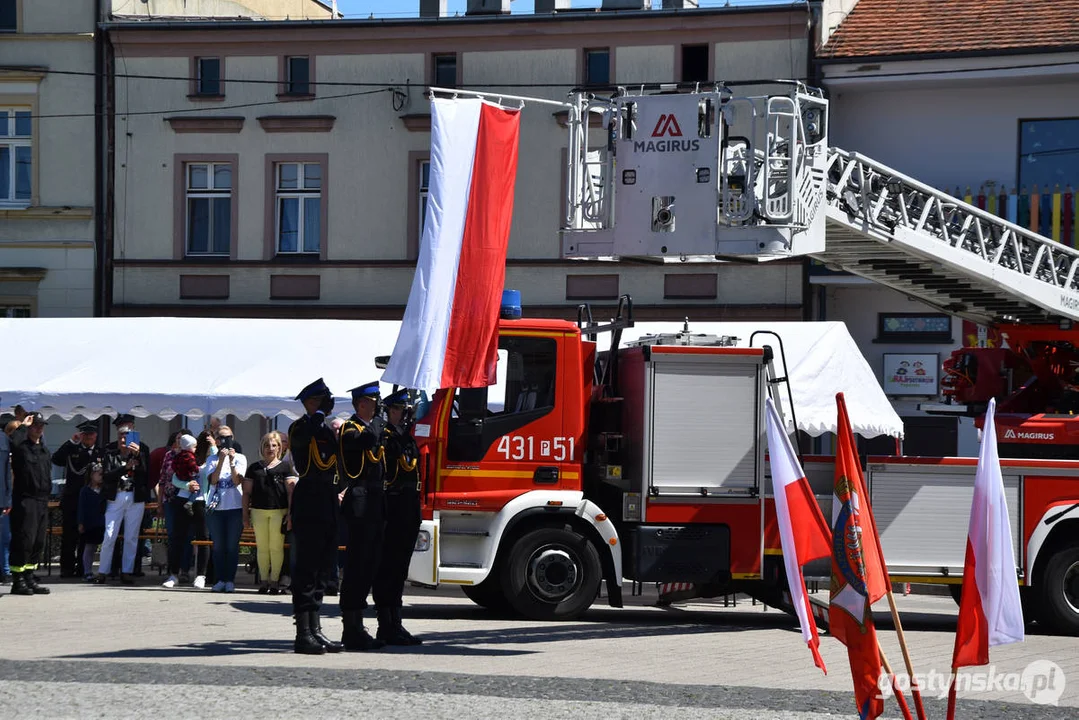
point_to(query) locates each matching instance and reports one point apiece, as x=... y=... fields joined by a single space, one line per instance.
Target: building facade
x=981 y=100
x=47 y=158
x=279 y=169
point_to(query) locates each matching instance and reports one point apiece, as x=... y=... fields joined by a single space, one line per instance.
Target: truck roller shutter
x=705 y=427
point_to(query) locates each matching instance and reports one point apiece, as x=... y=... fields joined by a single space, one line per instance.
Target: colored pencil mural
x=1047 y=211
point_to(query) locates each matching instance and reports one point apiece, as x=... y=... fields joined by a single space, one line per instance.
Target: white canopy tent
x=201 y=366
x=191 y=366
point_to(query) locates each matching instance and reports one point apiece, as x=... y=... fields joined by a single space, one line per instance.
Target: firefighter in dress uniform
x=363 y=509
x=31 y=469
x=402 y=520
x=75 y=455
x=313 y=513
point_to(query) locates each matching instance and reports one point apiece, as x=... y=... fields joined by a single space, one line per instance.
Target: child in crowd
x=91 y=517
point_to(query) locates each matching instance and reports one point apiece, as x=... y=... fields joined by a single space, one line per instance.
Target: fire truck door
x=505 y=439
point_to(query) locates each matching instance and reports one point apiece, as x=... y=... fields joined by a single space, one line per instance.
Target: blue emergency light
x=511 y=305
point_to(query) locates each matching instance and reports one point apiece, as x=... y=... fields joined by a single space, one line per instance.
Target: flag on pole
x=858 y=574
x=803 y=533
x=990 y=612
x=449 y=334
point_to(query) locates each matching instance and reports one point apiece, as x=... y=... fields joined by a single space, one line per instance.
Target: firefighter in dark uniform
x=313 y=510
x=363 y=508
x=31 y=469
x=75 y=455
x=402 y=519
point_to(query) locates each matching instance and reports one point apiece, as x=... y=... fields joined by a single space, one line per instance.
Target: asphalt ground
x=113 y=651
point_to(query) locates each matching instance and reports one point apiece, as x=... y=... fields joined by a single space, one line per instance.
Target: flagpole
x=895 y=686
x=915 y=691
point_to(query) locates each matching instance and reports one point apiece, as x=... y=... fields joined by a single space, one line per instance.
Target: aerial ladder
x=675 y=175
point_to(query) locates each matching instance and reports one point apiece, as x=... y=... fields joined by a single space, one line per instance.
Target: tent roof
x=203 y=366
x=191 y=366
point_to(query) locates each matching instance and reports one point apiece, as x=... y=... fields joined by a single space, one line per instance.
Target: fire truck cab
x=644 y=463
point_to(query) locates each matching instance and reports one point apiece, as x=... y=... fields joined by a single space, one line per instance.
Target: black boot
x=19 y=586
x=355 y=637
x=316 y=631
x=36 y=587
x=390 y=630
x=306 y=643
x=402 y=634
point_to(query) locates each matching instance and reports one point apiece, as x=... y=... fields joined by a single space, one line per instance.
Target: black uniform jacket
x=402 y=456
x=75 y=459
x=361 y=453
x=314 y=448
x=31 y=470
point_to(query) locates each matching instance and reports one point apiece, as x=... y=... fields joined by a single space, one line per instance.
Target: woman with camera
x=265 y=497
x=223 y=472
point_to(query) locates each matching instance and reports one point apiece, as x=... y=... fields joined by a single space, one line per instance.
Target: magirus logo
x=1012 y=434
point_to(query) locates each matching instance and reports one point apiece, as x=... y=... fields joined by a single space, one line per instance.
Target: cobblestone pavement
x=87 y=651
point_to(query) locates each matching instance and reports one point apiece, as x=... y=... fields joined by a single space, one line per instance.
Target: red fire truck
x=590 y=464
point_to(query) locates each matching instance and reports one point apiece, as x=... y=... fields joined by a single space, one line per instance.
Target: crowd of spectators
x=203 y=488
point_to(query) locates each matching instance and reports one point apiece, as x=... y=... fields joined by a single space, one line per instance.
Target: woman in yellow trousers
x=265 y=509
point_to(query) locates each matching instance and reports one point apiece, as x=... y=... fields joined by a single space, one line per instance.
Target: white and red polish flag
x=803 y=533
x=990 y=611
x=449 y=334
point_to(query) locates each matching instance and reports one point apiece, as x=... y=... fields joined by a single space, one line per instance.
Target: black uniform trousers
x=314 y=531
x=70 y=543
x=29 y=521
x=402 y=527
x=364 y=510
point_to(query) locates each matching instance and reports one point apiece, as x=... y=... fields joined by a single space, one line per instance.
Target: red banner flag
x=858 y=576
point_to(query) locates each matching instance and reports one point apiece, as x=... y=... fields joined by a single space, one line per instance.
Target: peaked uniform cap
x=88 y=427
x=124 y=419
x=401 y=397
x=370 y=390
x=315 y=389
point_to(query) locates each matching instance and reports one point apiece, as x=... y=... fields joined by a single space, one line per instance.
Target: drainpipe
x=110 y=174
x=99 y=159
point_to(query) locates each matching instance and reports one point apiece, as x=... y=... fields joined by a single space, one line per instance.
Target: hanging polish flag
x=803 y=533
x=990 y=611
x=449 y=334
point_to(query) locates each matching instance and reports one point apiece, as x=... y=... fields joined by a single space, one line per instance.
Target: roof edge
x=898 y=57
x=232 y=25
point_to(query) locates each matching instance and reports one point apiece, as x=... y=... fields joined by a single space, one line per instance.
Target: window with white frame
x=299 y=207
x=15 y=156
x=15 y=311
x=425 y=185
x=209 y=208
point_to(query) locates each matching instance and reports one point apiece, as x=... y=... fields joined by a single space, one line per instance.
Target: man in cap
x=126 y=490
x=32 y=470
x=75 y=456
x=313 y=511
x=402 y=520
x=363 y=507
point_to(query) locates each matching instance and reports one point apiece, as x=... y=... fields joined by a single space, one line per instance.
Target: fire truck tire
x=488 y=595
x=552 y=574
x=1060 y=592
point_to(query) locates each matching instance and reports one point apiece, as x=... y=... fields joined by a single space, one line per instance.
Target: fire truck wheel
x=552 y=574
x=1060 y=592
x=488 y=594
